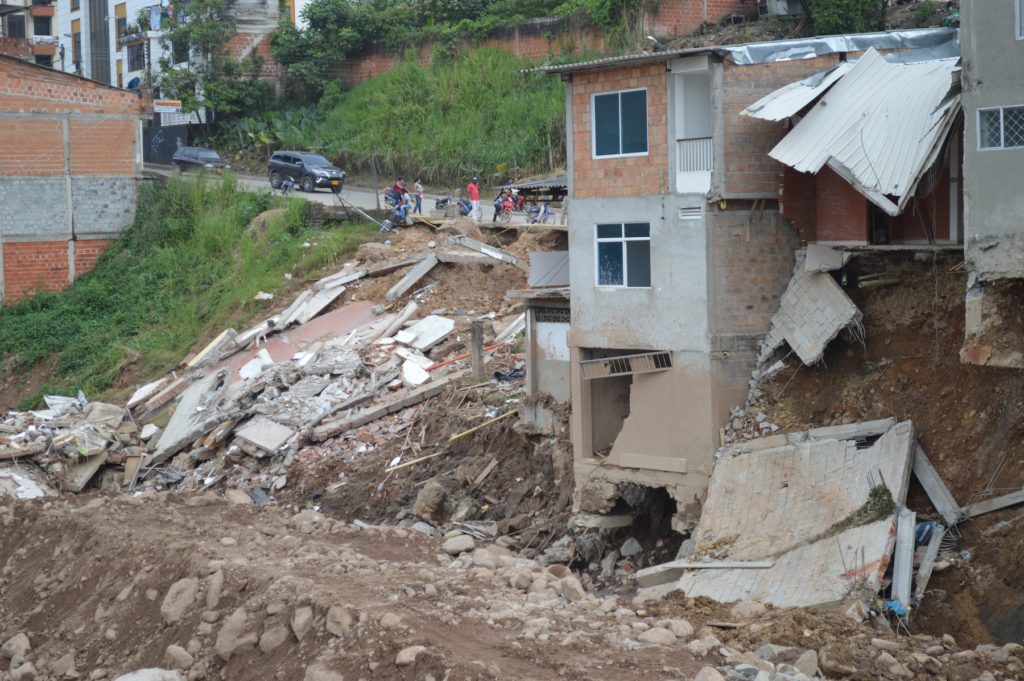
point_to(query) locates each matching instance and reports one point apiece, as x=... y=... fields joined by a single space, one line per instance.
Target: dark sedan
x=199 y=157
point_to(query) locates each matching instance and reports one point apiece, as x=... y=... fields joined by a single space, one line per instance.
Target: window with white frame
x=1001 y=128
x=620 y=123
x=624 y=255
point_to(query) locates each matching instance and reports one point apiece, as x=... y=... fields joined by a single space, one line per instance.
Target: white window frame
x=1002 y=129
x=593 y=124
x=623 y=240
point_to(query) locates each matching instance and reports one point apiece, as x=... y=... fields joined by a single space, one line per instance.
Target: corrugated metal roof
x=559 y=182
x=880 y=127
x=789 y=100
x=944 y=40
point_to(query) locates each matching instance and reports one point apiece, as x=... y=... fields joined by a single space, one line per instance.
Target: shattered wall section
x=994 y=325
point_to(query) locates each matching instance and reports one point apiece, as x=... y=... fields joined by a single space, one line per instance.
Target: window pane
x=988 y=129
x=609 y=231
x=634 y=122
x=606 y=125
x=638 y=230
x=639 y=259
x=1013 y=127
x=609 y=264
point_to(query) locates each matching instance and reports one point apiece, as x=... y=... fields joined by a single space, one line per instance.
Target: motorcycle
x=465 y=207
x=540 y=214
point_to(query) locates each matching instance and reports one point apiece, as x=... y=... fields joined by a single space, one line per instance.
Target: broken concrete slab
x=24 y=482
x=317 y=302
x=339 y=279
x=903 y=560
x=263 y=433
x=813 y=311
x=78 y=475
x=815 y=507
x=673 y=570
x=516 y=326
x=490 y=251
x=411 y=277
x=824 y=258
x=924 y=571
x=264 y=328
x=397 y=321
x=995 y=504
x=940 y=496
x=190 y=417
x=145 y=392
x=427 y=332
x=605 y=522
x=175 y=388
x=290 y=314
x=215 y=349
x=414 y=375
x=463 y=257
x=255 y=366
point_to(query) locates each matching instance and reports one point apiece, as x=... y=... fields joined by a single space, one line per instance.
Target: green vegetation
x=829 y=17
x=443 y=122
x=189 y=266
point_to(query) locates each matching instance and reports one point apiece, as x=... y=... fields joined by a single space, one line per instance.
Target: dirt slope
x=969 y=419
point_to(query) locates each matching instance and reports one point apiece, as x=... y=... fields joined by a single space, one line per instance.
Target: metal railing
x=694 y=154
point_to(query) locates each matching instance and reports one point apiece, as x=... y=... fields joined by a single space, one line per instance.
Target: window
x=179 y=50
x=620 y=123
x=41 y=25
x=624 y=255
x=136 y=56
x=120 y=21
x=1001 y=128
x=75 y=4
x=76 y=43
x=16 y=26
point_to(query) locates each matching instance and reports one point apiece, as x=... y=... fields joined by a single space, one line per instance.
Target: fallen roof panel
x=790 y=100
x=880 y=127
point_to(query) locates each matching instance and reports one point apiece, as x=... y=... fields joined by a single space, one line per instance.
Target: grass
x=444 y=122
x=188 y=267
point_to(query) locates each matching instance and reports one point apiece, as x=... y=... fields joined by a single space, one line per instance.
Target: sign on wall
x=167 y=106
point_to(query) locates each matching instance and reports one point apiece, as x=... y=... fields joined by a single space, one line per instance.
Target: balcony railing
x=694 y=155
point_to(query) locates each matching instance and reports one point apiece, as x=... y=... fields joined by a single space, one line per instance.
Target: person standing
x=473 y=190
x=417 y=190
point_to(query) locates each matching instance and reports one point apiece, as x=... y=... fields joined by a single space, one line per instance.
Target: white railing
x=694 y=155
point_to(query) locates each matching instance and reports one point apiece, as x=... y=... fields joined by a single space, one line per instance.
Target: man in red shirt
x=473 y=190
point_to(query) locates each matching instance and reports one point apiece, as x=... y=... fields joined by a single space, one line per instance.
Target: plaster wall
x=993 y=61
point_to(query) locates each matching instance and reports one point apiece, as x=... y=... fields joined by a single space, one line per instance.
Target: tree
x=830 y=17
x=334 y=29
x=209 y=76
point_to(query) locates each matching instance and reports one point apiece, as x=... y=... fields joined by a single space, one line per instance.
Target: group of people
x=406 y=202
x=508 y=199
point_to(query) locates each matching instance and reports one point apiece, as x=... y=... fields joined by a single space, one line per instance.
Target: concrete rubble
x=306 y=374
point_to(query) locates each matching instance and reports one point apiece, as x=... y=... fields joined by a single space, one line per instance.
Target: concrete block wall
x=68 y=174
x=673 y=18
x=616 y=176
x=748 y=170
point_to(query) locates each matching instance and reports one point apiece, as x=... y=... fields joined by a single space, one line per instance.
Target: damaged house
x=679 y=252
x=993 y=97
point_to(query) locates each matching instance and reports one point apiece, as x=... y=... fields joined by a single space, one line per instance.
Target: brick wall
x=629 y=176
x=34 y=265
x=673 y=18
x=41 y=242
x=748 y=170
x=841 y=211
x=242 y=46
x=20 y=48
x=751 y=263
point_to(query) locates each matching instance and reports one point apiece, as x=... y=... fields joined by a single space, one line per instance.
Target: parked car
x=187 y=158
x=306 y=169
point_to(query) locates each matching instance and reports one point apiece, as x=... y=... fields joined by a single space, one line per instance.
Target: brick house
x=69 y=170
x=678 y=253
x=28 y=30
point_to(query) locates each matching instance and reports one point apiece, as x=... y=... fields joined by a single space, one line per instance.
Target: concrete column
x=69 y=220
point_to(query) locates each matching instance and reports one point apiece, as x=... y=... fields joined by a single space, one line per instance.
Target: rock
x=273 y=636
x=993 y=653
x=237 y=497
x=571 y=589
x=934 y=650
x=459 y=544
x=948 y=641
x=702 y=646
x=658 y=636
x=317 y=672
x=521 y=579
x=16 y=646
x=747 y=610
x=64 y=666
x=152 y=674
x=178 y=598
x=177 y=657
x=234 y=635
x=339 y=621
x=709 y=674
x=390 y=620
x=302 y=621
x=430 y=502
x=883 y=644
x=484 y=558
x=407 y=656
x=886 y=663
x=26 y=672
x=630 y=547
x=681 y=628
x=857 y=611
x=214 y=585
x=807 y=663
x=424 y=528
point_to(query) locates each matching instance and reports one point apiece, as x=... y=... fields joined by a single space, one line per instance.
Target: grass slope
x=188 y=267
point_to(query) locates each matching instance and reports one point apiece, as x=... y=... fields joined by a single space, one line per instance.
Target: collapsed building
x=679 y=249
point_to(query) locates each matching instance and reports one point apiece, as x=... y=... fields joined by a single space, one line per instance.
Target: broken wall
x=993 y=59
x=547 y=372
